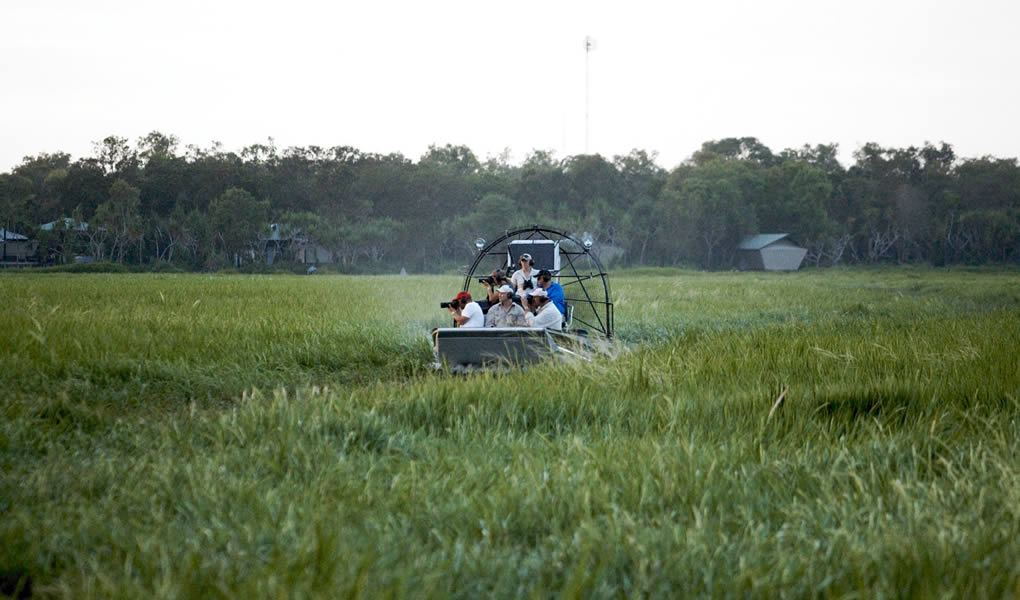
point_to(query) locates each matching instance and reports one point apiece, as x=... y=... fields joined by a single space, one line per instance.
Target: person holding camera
x=506 y=313
x=523 y=279
x=492 y=284
x=465 y=311
x=543 y=313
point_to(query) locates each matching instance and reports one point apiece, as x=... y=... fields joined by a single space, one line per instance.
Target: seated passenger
x=505 y=313
x=465 y=311
x=554 y=290
x=523 y=279
x=543 y=313
x=492 y=284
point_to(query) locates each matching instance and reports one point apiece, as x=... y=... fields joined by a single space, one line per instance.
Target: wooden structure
x=293 y=246
x=16 y=249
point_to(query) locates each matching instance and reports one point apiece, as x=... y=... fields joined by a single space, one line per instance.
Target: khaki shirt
x=500 y=317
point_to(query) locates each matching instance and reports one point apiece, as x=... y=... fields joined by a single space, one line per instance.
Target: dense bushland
x=207 y=209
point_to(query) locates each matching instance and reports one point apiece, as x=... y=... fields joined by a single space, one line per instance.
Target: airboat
x=587 y=324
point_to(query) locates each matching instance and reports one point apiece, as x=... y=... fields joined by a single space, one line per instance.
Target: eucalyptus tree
x=542 y=187
x=119 y=216
x=743 y=149
x=239 y=221
x=16 y=198
x=795 y=202
x=988 y=225
x=641 y=183
x=708 y=209
x=85 y=187
x=116 y=157
x=594 y=198
x=46 y=173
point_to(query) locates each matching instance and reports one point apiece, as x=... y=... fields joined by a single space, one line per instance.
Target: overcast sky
x=387 y=76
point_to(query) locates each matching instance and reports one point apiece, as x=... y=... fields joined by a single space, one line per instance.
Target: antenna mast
x=589 y=45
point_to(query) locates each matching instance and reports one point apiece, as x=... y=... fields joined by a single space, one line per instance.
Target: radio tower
x=589 y=45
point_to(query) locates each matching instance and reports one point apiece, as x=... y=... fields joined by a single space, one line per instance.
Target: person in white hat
x=523 y=280
x=543 y=313
x=505 y=313
x=492 y=284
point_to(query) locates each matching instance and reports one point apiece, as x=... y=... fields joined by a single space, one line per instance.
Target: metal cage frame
x=570 y=278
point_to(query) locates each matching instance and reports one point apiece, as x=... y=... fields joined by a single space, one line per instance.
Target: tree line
x=206 y=208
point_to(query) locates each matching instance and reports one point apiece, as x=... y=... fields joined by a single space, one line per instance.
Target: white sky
x=392 y=76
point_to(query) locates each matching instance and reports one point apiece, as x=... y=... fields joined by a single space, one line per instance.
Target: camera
x=489 y=280
x=451 y=304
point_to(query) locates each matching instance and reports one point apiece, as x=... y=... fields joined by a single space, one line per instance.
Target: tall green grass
x=818 y=434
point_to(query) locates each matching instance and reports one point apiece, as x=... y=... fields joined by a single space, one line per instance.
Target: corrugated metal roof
x=65 y=224
x=757 y=242
x=10 y=235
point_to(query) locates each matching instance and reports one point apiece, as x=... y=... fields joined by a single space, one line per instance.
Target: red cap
x=462 y=296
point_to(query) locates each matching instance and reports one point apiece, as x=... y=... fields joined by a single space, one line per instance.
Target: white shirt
x=474 y=314
x=548 y=317
x=518 y=279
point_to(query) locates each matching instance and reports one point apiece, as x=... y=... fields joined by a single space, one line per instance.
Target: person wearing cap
x=553 y=289
x=466 y=312
x=523 y=279
x=506 y=313
x=543 y=313
x=491 y=290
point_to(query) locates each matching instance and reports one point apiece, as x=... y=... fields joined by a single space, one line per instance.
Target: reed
x=819 y=434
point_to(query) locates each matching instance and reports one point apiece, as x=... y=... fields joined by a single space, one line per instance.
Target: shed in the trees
x=16 y=248
x=65 y=224
x=65 y=238
x=291 y=244
x=770 y=252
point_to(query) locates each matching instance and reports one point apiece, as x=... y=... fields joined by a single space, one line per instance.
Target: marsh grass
x=819 y=434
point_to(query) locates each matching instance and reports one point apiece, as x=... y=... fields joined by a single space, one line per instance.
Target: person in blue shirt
x=553 y=289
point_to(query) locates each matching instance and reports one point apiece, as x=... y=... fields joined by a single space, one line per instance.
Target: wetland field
x=821 y=434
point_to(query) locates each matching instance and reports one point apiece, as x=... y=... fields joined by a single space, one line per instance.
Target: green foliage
x=117 y=222
x=714 y=209
x=207 y=208
x=457 y=160
x=16 y=202
x=87 y=267
x=817 y=434
x=796 y=203
x=491 y=215
x=239 y=220
x=158 y=266
x=744 y=149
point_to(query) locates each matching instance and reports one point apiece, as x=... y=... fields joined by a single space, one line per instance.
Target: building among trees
x=287 y=243
x=770 y=252
x=16 y=248
x=64 y=240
